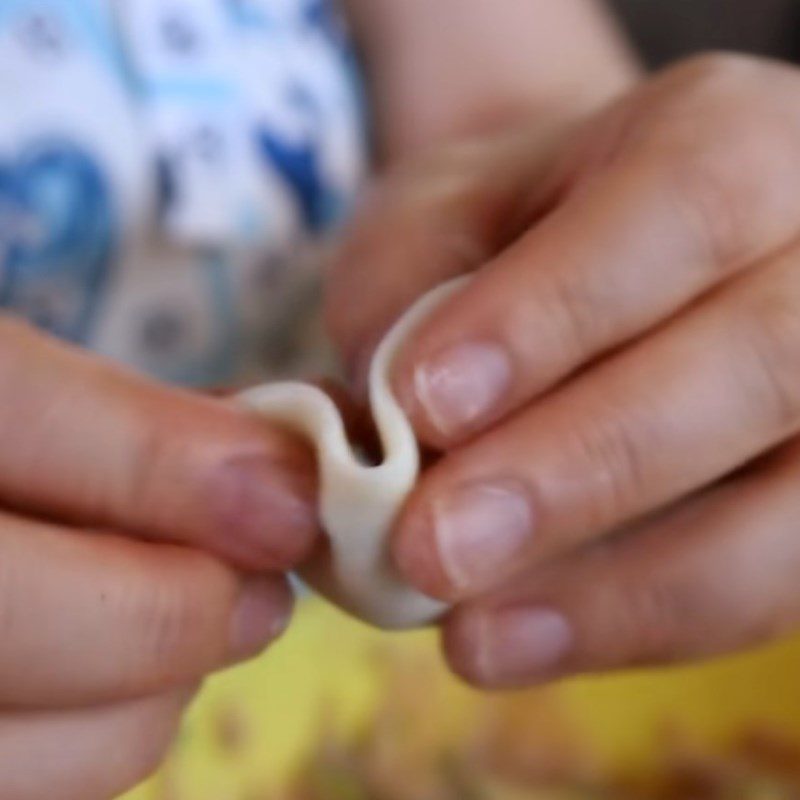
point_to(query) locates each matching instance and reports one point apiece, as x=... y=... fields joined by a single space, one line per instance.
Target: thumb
x=429 y=220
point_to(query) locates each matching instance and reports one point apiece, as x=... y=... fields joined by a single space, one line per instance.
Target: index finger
x=672 y=209
x=91 y=444
x=439 y=217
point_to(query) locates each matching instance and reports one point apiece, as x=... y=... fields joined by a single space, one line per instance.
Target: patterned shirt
x=163 y=165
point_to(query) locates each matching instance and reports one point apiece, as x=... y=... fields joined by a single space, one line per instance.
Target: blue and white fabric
x=161 y=164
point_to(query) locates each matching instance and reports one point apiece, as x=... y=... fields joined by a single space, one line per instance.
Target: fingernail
x=521 y=644
x=481 y=531
x=462 y=385
x=266 y=511
x=260 y=616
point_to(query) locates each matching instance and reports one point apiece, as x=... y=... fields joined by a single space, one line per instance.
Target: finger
x=91 y=754
x=715 y=575
x=88 y=443
x=685 y=406
x=443 y=216
x=665 y=211
x=89 y=619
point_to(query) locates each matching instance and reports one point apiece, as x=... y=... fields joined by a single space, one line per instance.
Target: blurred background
x=671 y=29
x=340 y=712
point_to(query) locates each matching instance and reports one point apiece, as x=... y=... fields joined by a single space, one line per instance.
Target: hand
x=107 y=629
x=432 y=81
x=617 y=392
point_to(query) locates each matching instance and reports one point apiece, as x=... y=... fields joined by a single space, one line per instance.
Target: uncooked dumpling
x=359 y=502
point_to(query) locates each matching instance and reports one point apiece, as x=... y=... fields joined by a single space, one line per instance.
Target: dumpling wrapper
x=359 y=502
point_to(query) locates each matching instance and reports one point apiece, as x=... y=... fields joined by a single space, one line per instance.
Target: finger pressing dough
x=358 y=501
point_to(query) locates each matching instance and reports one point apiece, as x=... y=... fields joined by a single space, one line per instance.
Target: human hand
x=432 y=80
x=109 y=621
x=617 y=392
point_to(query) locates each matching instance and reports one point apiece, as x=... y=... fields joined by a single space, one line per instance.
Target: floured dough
x=358 y=502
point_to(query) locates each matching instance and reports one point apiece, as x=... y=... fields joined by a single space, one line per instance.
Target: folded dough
x=359 y=502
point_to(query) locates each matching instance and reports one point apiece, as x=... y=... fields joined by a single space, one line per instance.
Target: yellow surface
x=327 y=672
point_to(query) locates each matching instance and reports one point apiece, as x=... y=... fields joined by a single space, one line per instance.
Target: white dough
x=358 y=502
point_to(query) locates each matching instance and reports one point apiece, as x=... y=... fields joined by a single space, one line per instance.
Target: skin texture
x=114 y=495
x=615 y=395
x=434 y=81
x=146 y=508
x=359 y=500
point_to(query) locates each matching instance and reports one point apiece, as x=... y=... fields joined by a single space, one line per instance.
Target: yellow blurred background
x=337 y=710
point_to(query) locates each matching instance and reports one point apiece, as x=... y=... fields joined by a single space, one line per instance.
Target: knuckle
x=179 y=631
x=725 y=153
x=167 y=481
x=701 y=92
x=658 y=615
x=727 y=189
x=707 y=195
x=716 y=71
x=144 y=486
x=168 y=620
x=771 y=338
x=613 y=453
x=688 y=99
x=579 y=312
